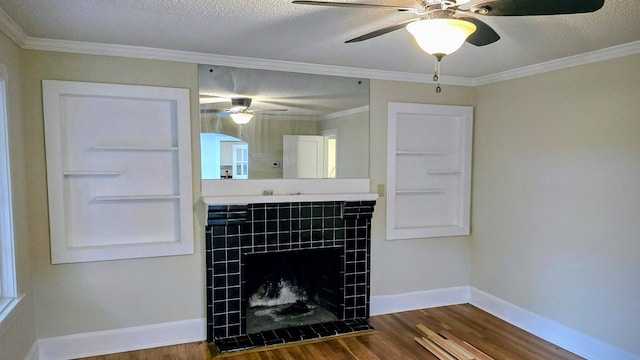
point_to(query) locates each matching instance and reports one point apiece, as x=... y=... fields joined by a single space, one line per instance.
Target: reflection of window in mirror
x=220 y=154
x=240 y=160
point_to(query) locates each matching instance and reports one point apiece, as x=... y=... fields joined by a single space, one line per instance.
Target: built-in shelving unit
x=126 y=191
x=428 y=170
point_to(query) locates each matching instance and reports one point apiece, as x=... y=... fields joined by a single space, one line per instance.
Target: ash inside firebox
x=283 y=304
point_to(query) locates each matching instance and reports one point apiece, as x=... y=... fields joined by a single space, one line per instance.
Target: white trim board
x=34 y=352
x=610 y=53
x=388 y=304
x=121 y=340
x=556 y=333
x=279 y=65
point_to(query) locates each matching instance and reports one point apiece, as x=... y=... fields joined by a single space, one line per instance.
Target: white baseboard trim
x=558 y=334
x=179 y=332
x=34 y=353
x=386 y=304
x=120 y=340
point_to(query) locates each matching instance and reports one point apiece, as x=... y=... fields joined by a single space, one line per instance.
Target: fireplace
x=284 y=272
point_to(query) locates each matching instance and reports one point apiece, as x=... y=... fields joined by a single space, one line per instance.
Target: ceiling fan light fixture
x=440 y=37
x=241 y=118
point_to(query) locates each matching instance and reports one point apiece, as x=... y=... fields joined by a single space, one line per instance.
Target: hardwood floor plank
x=358 y=349
x=402 y=341
x=392 y=339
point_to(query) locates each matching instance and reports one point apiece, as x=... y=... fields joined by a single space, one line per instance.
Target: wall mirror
x=264 y=124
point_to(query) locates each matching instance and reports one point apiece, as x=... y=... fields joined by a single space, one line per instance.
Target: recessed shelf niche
x=428 y=170
x=118 y=171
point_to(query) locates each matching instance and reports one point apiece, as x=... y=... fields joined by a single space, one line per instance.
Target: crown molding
x=11 y=29
x=613 y=52
x=15 y=33
x=347 y=112
x=224 y=60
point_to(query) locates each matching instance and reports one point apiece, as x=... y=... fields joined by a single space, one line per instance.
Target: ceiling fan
x=239 y=110
x=442 y=26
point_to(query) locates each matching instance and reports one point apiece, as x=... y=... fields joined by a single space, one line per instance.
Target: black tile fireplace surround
x=234 y=232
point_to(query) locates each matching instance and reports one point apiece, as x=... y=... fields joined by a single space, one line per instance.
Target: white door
x=303 y=157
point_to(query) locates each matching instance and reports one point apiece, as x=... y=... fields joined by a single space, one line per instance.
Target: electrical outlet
x=381 y=190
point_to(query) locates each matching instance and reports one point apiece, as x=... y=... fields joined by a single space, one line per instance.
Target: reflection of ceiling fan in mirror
x=442 y=26
x=239 y=111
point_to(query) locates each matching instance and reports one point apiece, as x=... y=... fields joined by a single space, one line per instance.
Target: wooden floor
x=393 y=339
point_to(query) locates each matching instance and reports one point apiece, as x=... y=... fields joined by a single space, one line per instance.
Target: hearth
x=286 y=272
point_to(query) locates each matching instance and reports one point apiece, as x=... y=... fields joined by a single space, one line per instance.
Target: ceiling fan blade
x=535 y=7
x=382 y=31
x=484 y=34
x=208 y=99
x=354 y=5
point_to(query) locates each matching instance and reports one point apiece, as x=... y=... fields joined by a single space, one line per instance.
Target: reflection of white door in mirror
x=218 y=156
x=303 y=157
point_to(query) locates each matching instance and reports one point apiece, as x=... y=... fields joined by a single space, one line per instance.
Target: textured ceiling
x=279 y=30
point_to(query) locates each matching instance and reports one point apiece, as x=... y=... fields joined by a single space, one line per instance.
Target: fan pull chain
x=436 y=76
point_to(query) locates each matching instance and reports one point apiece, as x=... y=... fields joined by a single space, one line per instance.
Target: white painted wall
x=556 y=197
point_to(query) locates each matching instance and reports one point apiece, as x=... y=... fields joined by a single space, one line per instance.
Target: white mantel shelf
x=235 y=192
x=288 y=198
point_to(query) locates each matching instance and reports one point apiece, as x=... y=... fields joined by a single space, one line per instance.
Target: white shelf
x=443 y=172
x=420 y=191
x=133 y=148
x=135 y=197
x=420 y=153
x=284 y=198
x=93 y=173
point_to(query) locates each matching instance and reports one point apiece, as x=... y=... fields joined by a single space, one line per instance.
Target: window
x=8 y=290
x=241 y=161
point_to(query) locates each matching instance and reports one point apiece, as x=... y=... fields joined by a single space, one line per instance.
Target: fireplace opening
x=292 y=288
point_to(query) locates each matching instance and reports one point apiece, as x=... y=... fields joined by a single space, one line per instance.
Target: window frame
x=8 y=283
